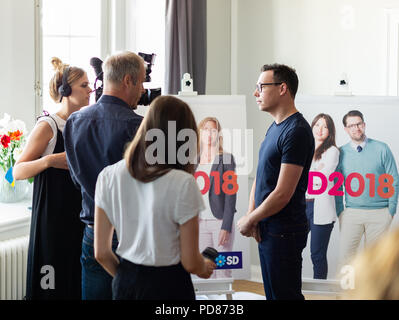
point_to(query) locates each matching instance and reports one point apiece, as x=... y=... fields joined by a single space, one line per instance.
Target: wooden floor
x=248 y=286
x=256 y=287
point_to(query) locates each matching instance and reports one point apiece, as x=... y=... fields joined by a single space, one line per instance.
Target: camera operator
x=149 y=94
x=95 y=138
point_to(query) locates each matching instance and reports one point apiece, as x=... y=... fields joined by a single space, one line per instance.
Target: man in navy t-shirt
x=276 y=215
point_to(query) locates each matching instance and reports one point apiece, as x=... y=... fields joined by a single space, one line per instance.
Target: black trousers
x=139 y=282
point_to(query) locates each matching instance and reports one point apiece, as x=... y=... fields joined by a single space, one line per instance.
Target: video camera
x=147 y=97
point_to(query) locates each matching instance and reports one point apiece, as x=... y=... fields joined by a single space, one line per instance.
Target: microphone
x=96 y=63
x=210 y=253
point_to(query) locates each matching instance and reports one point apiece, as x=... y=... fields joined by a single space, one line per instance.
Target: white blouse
x=147 y=216
x=207 y=213
x=53 y=141
x=324 y=204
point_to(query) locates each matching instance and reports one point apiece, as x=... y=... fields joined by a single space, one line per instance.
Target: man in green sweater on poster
x=371 y=187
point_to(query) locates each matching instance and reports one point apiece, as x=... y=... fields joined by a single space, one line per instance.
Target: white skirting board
x=309 y=286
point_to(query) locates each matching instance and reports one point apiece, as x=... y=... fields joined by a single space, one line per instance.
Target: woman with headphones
x=53 y=270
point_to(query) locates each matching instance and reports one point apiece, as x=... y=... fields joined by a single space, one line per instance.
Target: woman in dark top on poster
x=54 y=270
x=217 y=219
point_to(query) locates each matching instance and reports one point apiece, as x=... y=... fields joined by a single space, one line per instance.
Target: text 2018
x=229 y=178
x=384 y=181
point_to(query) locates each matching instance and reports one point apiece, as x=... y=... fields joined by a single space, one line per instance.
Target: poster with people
x=353 y=182
x=225 y=154
x=224 y=162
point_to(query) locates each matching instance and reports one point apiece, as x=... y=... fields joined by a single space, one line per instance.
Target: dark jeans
x=139 y=282
x=320 y=237
x=280 y=252
x=96 y=282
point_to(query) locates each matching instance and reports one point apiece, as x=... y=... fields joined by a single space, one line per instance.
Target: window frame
x=118 y=33
x=105 y=35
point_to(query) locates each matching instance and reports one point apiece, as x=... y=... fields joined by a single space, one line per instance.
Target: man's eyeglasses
x=356 y=125
x=259 y=86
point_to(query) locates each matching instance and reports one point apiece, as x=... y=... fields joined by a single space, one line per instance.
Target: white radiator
x=13 y=262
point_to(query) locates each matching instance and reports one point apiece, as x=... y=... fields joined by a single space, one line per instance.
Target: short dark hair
x=283 y=73
x=352 y=113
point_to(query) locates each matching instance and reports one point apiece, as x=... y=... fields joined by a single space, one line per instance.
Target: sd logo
x=229 y=260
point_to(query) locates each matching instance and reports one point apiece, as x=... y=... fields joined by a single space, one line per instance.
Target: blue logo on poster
x=220 y=261
x=229 y=260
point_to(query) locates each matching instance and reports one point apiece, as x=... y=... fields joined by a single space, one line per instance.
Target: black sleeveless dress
x=54 y=270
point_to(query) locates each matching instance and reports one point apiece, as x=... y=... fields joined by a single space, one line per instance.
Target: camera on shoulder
x=146 y=98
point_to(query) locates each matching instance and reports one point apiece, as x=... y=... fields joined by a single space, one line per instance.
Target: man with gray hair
x=95 y=138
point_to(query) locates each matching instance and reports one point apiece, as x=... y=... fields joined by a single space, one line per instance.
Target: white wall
x=321 y=39
x=218 y=47
x=324 y=38
x=17 y=68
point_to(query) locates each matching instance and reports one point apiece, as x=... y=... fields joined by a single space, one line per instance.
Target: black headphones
x=65 y=89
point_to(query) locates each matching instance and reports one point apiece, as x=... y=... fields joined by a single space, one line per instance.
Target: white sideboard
x=15 y=219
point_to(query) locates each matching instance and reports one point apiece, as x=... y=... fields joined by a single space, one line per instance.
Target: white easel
x=214 y=286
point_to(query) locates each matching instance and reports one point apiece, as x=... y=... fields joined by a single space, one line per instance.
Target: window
x=77 y=30
x=146 y=33
x=71 y=31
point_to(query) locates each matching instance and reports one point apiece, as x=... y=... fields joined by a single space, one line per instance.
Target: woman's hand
x=208 y=269
x=58 y=160
x=224 y=237
x=191 y=258
x=30 y=163
x=103 y=233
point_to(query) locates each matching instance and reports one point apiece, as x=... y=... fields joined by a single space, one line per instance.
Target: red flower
x=5 y=140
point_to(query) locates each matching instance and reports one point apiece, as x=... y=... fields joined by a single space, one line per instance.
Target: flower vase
x=8 y=193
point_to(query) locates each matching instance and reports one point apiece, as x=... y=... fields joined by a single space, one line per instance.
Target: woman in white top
x=320 y=208
x=152 y=201
x=56 y=230
x=216 y=221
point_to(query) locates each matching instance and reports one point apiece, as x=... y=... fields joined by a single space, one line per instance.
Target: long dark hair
x=330 y=140
x=162 y=110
